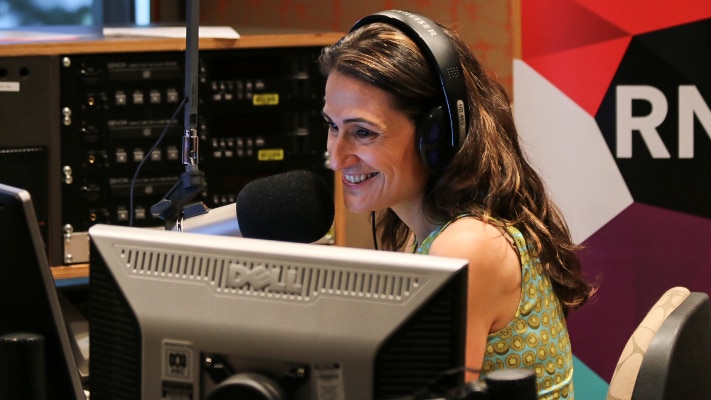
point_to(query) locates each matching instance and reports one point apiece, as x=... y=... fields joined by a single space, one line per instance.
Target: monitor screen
x=29 y=302
x=58 y=16
x=193 y=316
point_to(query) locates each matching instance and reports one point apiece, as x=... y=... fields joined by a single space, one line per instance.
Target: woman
x=485 y=203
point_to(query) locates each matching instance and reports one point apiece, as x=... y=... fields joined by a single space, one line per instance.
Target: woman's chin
x=356 y=207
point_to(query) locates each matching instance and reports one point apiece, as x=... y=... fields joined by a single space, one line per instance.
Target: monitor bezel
x=143 y=272
x=29 y=296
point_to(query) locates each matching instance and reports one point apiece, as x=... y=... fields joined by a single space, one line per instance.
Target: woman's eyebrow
x=351 y=120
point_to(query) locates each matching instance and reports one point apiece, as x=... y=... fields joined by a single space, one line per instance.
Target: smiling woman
x=370 y=142
x=425 y=140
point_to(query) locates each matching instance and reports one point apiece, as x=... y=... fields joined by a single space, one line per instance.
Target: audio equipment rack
x=78 y=116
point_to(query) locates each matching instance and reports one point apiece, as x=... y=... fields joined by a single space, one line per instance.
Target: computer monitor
x=29 y=301
x=77 y=17
x=211 y=317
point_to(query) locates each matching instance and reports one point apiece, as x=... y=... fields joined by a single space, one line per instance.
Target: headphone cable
x=372 y=226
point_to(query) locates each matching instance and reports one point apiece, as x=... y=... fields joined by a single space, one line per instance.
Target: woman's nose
x=340 y=153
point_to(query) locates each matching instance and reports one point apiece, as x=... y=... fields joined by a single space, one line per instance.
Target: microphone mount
x=192 y=181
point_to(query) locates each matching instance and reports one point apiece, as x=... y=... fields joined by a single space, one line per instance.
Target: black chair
x=668 y=357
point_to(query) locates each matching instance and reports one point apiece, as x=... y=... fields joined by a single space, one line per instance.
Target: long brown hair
x=489 y=176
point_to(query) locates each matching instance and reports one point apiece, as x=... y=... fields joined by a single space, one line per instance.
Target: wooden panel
x=116 y=45
x=487 y=26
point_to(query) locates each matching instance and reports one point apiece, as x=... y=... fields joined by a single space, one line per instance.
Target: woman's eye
x=363 y=133
x=330 y=126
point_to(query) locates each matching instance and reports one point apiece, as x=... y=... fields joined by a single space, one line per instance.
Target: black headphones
x=444 y=127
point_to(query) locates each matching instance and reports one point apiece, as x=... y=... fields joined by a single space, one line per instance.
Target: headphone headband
x=439 y=51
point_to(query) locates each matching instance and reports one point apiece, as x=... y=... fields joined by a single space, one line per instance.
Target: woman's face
x=373 y=145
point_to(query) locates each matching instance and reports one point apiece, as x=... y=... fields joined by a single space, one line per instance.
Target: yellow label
x=270 y=155
x=265 y=99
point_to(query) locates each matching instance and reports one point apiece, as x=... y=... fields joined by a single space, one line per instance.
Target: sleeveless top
x=537 y=336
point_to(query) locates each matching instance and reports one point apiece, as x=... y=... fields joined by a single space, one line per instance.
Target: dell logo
x=262 y=278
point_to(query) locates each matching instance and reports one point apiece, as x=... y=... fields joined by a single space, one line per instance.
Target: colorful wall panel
x=612 y=101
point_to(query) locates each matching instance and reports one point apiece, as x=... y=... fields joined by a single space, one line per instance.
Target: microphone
x=295 y=206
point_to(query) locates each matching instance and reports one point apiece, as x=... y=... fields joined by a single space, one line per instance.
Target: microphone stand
x=192 y=181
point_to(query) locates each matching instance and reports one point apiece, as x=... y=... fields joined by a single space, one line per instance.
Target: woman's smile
x=357 y=178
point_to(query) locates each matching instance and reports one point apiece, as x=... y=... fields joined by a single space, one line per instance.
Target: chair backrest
x=677 y=364
x=669 y=354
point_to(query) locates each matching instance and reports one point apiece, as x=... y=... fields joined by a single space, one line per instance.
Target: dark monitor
x=193 y=316
x=29 y=301
x=79 y=17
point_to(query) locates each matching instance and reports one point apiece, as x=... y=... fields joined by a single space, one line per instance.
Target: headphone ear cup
x=434 y=138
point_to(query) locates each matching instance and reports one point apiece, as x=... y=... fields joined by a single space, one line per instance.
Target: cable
x=372 y=225
x=445 y=386
x=147 y=156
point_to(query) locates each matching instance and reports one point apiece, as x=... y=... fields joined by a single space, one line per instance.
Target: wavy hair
x=489 y=176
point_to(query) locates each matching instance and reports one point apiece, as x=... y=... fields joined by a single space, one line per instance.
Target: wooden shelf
x=70 y=271
x=119 y=45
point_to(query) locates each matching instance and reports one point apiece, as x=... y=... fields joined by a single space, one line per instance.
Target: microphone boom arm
x=190 y=120
x=192 y=181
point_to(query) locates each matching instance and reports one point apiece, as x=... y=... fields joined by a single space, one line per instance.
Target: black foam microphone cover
x=295 y=206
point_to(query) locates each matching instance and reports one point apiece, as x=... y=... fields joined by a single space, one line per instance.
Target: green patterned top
x=537 y=337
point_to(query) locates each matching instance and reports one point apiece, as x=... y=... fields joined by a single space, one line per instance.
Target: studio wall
x=486 y=25
x=612 y=101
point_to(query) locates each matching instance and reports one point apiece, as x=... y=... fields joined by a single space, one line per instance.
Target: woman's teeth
x=358 y=178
